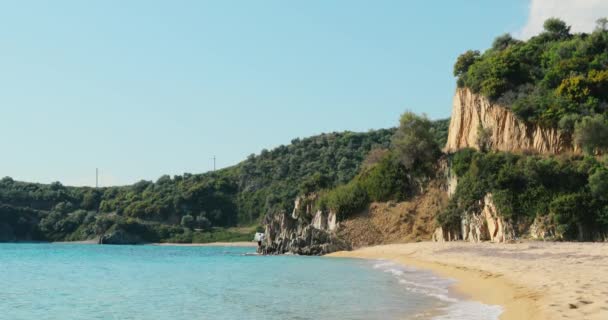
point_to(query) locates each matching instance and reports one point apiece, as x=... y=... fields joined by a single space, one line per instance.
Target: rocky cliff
x=305 y=231
x=506 y=132
x=472 y=116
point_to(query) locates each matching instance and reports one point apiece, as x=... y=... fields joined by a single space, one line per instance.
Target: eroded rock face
x=499 y=230
x=474 y=228
x=543 y=228
x=484 y=225
x=445 y=234
x=304 y=231
x=508 y=133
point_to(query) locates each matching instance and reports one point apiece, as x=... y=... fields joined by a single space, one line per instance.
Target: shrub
x=387 y=180
x=345 y=200
x=571 y=189
x=188 y=221
x=591 y=133
x=598 y=183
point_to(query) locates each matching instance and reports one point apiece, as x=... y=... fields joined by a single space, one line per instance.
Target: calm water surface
x=69 y=281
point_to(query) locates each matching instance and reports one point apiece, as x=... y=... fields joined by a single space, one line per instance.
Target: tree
x=188 y=221
x=567 y=122
x=598 y=183
x=464 y=61
x=591 y=133
x=601 y=24
x=568 y=214
x=90 y=200
x=556 y=27
x=374 y=156
x=415 y=146
x=202 y=222
x=314 y=183
x=502 y=42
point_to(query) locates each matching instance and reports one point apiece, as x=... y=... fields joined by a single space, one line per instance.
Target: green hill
x=189 y=207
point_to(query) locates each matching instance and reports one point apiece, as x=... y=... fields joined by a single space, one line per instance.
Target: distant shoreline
x=172 y=244
x=210 y=244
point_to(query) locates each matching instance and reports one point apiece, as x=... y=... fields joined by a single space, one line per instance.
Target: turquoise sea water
x=69 y=281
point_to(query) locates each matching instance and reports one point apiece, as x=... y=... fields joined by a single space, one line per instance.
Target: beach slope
x=531 y=280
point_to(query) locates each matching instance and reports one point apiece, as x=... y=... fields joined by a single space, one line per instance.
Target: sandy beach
x=531 y=280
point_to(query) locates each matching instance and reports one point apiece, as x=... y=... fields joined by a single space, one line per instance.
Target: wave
x=428 y=284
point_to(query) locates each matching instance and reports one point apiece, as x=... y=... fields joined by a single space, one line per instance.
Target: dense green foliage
x=571 y=191
x=414 y=143
x=190 y=207
x=551 y=76
x=271 y=181
x=391 y=174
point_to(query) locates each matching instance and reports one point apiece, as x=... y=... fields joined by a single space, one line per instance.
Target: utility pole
x=213 y=163
x=96 y=178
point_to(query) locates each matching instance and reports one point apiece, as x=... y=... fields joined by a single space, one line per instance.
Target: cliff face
x=507 y=132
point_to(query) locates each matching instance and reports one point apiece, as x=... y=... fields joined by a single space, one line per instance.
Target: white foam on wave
x=426 y=283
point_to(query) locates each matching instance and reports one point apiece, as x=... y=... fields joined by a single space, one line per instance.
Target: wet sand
x=531 y=280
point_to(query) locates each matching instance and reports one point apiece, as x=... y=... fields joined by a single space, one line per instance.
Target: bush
x=572 y=190
x=345 y=200
x=387 y=180
x=591 y=133
x=567 y=211
x=598 y=183
x=188 y=221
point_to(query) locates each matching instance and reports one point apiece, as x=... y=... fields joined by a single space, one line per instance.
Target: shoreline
x=171 y=244
x=209 y=244
x=531 y=280
x=476 y=285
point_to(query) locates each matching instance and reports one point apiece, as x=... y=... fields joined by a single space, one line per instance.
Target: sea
x=80 y=281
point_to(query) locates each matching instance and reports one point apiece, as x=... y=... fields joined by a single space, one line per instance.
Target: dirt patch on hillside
x=396 y=222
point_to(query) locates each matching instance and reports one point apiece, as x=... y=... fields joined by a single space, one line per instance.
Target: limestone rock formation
x=499 y=230
x=507 y=132
x=304 y=231
x=543 y=229
x=485 y=225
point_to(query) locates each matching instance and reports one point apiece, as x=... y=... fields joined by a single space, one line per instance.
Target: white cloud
x=580 y=14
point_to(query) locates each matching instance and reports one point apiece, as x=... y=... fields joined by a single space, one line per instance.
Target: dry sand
x=531 y=280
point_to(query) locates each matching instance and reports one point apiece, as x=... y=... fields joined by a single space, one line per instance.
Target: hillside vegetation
x=554 y=79
x=189 y=207
x=568 y=194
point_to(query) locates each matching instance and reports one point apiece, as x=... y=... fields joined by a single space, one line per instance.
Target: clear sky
x=143 y=88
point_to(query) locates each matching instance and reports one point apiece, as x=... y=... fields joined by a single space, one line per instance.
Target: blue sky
x=145 y=88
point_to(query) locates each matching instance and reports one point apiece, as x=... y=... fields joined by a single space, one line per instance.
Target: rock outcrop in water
x=305 y=231
x=507 y=132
